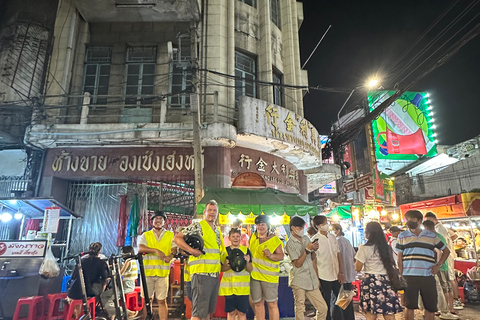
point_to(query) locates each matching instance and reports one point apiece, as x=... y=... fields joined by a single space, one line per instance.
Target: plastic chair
x=54 y=303
x=35 y=308
x=68 y=312
x=134 y=300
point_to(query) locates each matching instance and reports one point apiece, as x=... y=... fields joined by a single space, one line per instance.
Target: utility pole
x=195 y=112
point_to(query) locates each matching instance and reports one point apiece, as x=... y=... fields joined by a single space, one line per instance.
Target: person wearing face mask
x=348 y=257
x=329 y=265
x=416 y=262
x=303 y=278
x=159 y=248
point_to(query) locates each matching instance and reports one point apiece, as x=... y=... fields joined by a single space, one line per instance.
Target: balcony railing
x=81 y=109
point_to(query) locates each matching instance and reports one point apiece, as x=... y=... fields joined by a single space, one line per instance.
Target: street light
x=371 y=83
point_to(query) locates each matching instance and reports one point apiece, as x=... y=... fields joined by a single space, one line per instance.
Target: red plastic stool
x=68 y=313
x=35 y=308
x=357 y=284
x=54 y=302
x=134 y=301
x=461 y=293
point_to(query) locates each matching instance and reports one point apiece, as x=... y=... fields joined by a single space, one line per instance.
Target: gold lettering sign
x=146 y=162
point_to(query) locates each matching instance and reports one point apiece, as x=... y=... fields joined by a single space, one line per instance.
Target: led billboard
x=404 y=132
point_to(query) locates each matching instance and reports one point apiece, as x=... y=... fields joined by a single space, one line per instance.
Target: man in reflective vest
x=267 y=252
x=204 y=267
x=159 y=248
x=235 y=286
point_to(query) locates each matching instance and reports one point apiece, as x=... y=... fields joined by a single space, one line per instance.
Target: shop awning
x=35 y=207
x=444 y=208
x=246 y=201
x=343 y=212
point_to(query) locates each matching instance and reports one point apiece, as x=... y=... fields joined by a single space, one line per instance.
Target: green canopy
x=245 y=201
x=343 y=212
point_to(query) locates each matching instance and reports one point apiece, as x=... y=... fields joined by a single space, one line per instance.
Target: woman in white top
x=376 y=259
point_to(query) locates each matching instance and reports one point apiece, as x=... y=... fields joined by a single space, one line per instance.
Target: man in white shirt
x=394 y=231
x=440 y=228
x=329 y=264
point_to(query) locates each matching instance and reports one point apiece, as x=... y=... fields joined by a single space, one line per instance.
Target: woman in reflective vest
x=235 y=286
x=267 y=252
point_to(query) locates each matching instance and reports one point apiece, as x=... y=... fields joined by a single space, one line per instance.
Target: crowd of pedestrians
x=324 y=264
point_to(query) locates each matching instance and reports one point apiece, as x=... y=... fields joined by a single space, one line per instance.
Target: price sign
x=51 y=219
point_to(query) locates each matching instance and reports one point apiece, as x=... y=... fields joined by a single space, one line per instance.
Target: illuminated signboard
x=329 y=188
x=404 y=132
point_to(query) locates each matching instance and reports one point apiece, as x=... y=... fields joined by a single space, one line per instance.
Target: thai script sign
x=119 y=161
x=16 y=249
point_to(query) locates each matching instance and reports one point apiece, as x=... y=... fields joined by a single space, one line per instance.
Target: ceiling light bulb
x=5 y=217
x=18 y=215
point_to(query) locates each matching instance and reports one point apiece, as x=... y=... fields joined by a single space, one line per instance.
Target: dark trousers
x=329 y=287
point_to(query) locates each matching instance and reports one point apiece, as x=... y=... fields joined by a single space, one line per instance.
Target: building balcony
x=130 y=121
x=139 y=11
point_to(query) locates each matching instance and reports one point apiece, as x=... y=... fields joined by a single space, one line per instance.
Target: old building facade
x=118 y=105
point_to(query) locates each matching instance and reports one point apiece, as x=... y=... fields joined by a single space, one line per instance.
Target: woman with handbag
x=378 y=296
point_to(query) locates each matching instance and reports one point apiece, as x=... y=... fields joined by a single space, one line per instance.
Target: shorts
x=263 y=290
x=128 y=286
x=158 y=286
x=235 y=302
x=204 y=295
x=427 y=288
x=445 y=281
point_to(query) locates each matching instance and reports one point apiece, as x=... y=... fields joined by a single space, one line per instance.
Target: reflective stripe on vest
x=237 y=283
x=154 y=266
x=186 y=272
x=210 y=261
x=264 y=269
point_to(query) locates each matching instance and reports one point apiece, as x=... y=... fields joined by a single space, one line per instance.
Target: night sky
x=367 y=37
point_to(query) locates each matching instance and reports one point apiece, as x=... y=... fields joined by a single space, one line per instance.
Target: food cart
x=246 y=204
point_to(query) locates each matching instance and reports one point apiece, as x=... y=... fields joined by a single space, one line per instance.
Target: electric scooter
x=86 y=310
x=146 y=296
x=117 y=288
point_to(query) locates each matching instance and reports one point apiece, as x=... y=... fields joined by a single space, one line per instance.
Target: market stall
x=461 y=214
x=246 y=204
x=35 y=222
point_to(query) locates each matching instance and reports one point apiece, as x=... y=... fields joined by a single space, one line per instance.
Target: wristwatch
x=307 y=251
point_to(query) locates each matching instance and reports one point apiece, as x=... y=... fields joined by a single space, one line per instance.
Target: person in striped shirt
x=416 y=263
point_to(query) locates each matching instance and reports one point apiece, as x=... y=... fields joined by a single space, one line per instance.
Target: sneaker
x=448 y=316
x=457 y=305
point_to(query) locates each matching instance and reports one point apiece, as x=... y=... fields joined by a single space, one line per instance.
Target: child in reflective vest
x=235 y=286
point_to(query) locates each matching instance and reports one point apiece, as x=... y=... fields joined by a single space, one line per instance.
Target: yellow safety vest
x=237 y=283
x=154 y=266
x=210 y=261
x=264 y=269
x=186 y=272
